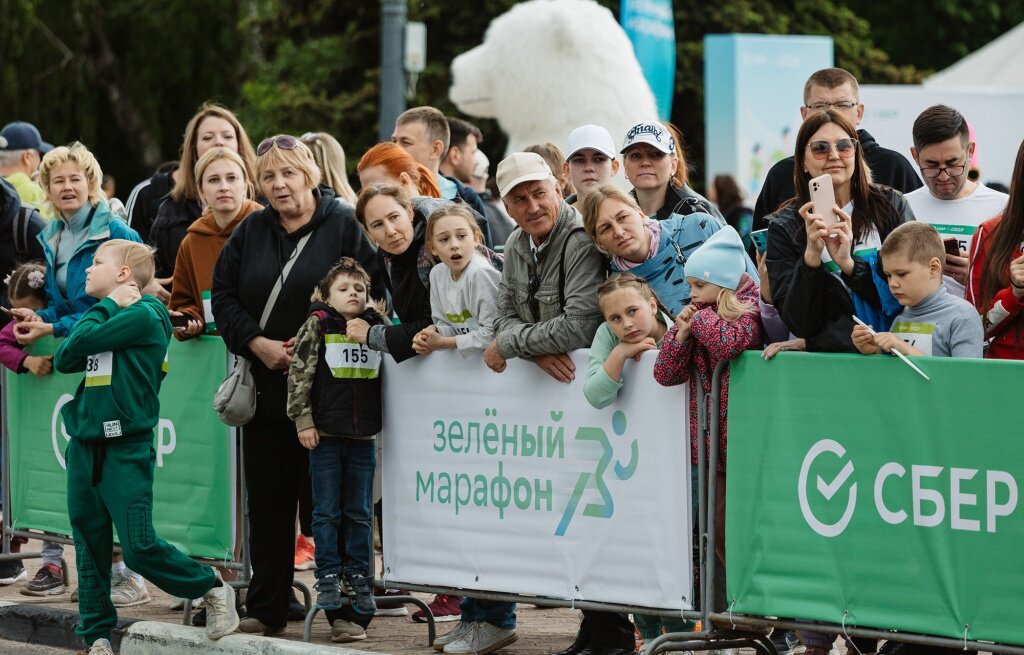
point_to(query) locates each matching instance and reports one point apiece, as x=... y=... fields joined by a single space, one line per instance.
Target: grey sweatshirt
x=465 y=308
x=942 y=325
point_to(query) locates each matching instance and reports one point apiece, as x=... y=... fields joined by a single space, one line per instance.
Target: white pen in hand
x=895 y=352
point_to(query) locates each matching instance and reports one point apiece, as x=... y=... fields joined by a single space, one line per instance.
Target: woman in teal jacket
x=71 y=177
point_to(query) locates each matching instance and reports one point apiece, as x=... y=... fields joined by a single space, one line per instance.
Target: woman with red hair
x=386 y=163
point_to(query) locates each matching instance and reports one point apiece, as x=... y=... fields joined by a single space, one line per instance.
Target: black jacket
x=344 y=406
x=168 y=231
x=685 y=201
x=10 y=257
x=250 y=263
x=407 y=279
x=888 y=167
x=812 y=302
x=144 y=202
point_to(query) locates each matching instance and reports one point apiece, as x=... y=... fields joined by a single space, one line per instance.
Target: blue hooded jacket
x=63 y=311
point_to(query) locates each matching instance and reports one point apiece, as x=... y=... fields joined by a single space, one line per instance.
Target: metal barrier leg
x=307 y=626
x=186 y=618
x=307 y=598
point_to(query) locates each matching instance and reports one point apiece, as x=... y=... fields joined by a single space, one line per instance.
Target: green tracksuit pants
x=110 y=485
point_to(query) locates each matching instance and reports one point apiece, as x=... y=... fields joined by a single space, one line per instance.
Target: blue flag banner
x=650 y=25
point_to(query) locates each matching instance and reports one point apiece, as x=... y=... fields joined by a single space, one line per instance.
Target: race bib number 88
x=99 y=369
x=350 y=359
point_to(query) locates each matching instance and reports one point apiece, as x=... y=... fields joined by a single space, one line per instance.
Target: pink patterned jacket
x=712 y=340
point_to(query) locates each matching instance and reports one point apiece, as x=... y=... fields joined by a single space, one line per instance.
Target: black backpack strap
x=20 y=229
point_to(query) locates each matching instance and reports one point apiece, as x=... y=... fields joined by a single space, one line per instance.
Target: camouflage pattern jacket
x=334 y=383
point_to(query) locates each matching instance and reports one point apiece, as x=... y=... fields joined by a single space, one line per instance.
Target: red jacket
x=1004 y=324
x=713 y=340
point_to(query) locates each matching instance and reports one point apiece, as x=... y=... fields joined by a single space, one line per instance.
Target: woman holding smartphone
x=818 y=256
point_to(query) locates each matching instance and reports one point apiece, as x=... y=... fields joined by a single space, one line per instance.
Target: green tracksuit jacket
x=122 y=352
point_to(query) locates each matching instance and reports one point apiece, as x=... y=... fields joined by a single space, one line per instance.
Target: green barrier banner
x=193 y=494
x=859 y=492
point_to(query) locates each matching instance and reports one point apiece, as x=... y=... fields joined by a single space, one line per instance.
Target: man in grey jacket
x=547 y=300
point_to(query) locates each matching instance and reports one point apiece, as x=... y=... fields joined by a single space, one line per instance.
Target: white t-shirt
x=958 y=218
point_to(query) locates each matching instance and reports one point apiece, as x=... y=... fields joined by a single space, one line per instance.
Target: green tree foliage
x=305 y=65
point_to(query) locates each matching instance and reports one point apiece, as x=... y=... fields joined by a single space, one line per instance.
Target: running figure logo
x=606 y=507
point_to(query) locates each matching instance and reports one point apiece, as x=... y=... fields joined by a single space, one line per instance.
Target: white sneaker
x=101 y=647
x=125 y=591
x=221 y=614
x=483 y=639
x=460 y=631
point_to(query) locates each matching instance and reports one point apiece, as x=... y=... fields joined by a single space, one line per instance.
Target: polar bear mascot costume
x=548 y=66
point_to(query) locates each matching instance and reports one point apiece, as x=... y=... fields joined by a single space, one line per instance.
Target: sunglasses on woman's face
x=845 y=148
x=284 y=142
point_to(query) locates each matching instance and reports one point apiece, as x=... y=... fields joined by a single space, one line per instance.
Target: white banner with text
x=514 y=483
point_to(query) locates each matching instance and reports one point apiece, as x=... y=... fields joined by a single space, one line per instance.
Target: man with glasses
x=835 y=88
x=951 y=202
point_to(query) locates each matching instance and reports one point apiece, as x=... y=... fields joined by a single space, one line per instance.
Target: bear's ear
x=570 y=33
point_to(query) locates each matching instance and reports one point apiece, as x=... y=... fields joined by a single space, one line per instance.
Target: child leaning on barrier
x=120 y=344
x=26 y=287
x=463 y=287
x=334 y=397
x=634 y=322
x=933 y=322
x=720 y=322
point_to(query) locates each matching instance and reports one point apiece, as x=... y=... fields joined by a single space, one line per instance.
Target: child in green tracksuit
x=121 y=345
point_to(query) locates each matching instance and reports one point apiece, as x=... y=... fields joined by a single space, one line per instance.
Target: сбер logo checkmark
x=827 y=489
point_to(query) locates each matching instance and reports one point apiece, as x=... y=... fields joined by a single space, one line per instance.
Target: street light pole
x=392 y=73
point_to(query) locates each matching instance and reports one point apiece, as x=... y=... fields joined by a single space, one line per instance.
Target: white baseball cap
x=481 y=165
x=521 y=167
x=594 y=137
x=654 y=134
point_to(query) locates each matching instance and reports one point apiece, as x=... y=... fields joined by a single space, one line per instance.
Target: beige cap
x=521 y=167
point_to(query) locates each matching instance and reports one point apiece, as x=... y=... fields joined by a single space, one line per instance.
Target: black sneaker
x=12 y=571
x=362 y=594
x=296 y=610
x=49 y=581
x=328 y=594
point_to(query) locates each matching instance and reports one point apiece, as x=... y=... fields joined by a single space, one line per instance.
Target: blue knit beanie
x=720 y=260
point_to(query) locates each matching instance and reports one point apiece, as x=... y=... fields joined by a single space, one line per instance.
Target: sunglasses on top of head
x=284 y=142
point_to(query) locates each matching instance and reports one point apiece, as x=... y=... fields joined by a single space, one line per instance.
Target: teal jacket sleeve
x=600 y=389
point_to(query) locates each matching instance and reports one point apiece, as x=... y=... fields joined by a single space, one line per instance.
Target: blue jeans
x=495 y=612
x=342 y=473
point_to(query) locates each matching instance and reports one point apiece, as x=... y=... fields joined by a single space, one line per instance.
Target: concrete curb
x=154 y=638
x=47 y=626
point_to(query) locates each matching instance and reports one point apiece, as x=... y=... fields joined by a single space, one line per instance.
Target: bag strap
x=276 y=291
x=561 y=267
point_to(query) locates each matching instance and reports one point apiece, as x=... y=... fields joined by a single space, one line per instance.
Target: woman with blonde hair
x=652 y=249
x=304 y=230
x=213 y=126
x=330 y=158
x=225 y=189
x=72 y=179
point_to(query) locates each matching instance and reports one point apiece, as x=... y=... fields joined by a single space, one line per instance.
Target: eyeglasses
x=825 y=106
x=951 y=171
x=309 y=138
x=284 y=142
x=845 y=148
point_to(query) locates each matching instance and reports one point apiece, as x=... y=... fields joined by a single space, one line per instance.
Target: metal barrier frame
x=678 y=641
x=8 y=531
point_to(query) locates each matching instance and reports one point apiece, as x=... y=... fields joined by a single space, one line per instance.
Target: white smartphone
x=823 y=197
